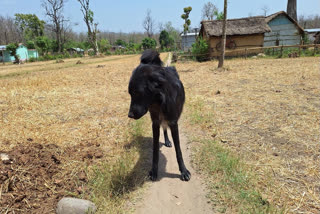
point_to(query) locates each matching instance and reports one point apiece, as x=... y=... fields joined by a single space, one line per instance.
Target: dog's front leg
x=156 y=133
x=185 y=174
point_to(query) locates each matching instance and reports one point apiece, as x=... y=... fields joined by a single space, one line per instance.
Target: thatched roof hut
x=243 y=26
x=241 y=33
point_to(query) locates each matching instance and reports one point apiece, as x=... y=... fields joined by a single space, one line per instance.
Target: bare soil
x=36 y=178
x=171 y=195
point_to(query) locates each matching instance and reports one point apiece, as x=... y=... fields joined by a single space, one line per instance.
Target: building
x=241 y=33
x=187 y=39
x=312 y=34
x=284 y=30
x=22 y=51
x=73 y=51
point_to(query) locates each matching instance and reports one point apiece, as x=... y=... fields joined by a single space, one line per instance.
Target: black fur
x=158 y=89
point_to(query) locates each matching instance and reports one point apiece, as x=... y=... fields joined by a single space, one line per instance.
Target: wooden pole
x=224 y=35
x=245 y=52
x=314 y=50
x=281 y=50
x=299 y=51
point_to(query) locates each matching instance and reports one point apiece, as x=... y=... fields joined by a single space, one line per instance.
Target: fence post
x=272 y=51
x=2 y=56
x=281 y=50
x=299 y=50
x=314 y=49
x=245 y=52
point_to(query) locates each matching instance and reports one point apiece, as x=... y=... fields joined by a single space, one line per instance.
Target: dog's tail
x=151 y=57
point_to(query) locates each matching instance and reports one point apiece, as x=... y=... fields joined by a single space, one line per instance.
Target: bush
x=149 y=43
x=200 y=49
x=32 y=59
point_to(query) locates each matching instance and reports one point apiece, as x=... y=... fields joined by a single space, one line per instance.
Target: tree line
x=56 y=34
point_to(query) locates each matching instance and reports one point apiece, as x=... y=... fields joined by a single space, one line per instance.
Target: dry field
x=268 y=112
x=58 y=119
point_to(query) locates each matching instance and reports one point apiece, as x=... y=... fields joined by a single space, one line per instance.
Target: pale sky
x=128 y=15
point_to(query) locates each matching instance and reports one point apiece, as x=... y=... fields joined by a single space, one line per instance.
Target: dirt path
x=169 y=194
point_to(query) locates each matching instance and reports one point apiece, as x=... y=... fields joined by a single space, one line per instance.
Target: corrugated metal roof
x=189 y=34
x=314 y=30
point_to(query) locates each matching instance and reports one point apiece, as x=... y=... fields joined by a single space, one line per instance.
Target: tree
x=174 y=34
x=165 y=39
x=292 y=9
x=91 y=25
x=12 y=48
x=209 y=11
x=220 y=16
x=148 y=24
x=186 y=19
x=54 y=9
x=265 y=9
x=149 y=43
x=42 y=42
x=121 y=42
x=312 y=21
x=9 y=31
x=30 y=44
x=30 y=25
x=224 y=34
x=200 y=49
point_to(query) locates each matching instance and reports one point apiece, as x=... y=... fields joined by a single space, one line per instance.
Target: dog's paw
x=185 y=175
x=153 y=174
x=167 y=143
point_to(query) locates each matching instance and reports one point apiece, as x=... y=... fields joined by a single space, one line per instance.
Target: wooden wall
x=243 y=41
x=284 y=32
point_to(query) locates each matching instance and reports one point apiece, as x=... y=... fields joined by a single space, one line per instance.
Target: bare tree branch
x=54 y=9
x=265 y=10
x=148 y=24
x=209 y=11
x=91 y=25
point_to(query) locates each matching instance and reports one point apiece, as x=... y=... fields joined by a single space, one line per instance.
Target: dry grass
x=266 y=111
x=74 y=106
x=66 y=105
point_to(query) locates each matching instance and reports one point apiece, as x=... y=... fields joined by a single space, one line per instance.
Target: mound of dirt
x=38 y=176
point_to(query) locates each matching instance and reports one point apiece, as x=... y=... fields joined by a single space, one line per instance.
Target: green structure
x=22 y=51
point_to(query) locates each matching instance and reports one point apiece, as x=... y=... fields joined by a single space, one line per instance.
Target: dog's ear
x=156 y=80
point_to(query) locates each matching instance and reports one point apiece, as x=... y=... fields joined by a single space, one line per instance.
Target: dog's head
x=145 y=89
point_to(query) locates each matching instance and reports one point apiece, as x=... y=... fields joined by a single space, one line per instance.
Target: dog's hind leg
x=156 y=133
x=185 y=174
x=167 y=142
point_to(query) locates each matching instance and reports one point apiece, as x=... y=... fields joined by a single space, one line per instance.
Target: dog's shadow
x=140 y=172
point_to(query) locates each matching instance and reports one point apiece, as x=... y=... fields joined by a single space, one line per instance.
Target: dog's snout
x=131 y=115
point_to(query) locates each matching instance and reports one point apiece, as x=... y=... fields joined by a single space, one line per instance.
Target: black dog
x=158 y=89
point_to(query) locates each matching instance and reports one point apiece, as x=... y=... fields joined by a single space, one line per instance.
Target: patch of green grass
x=199 y=114
x=231 y=181
x=233 y=185
x=111 y=184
